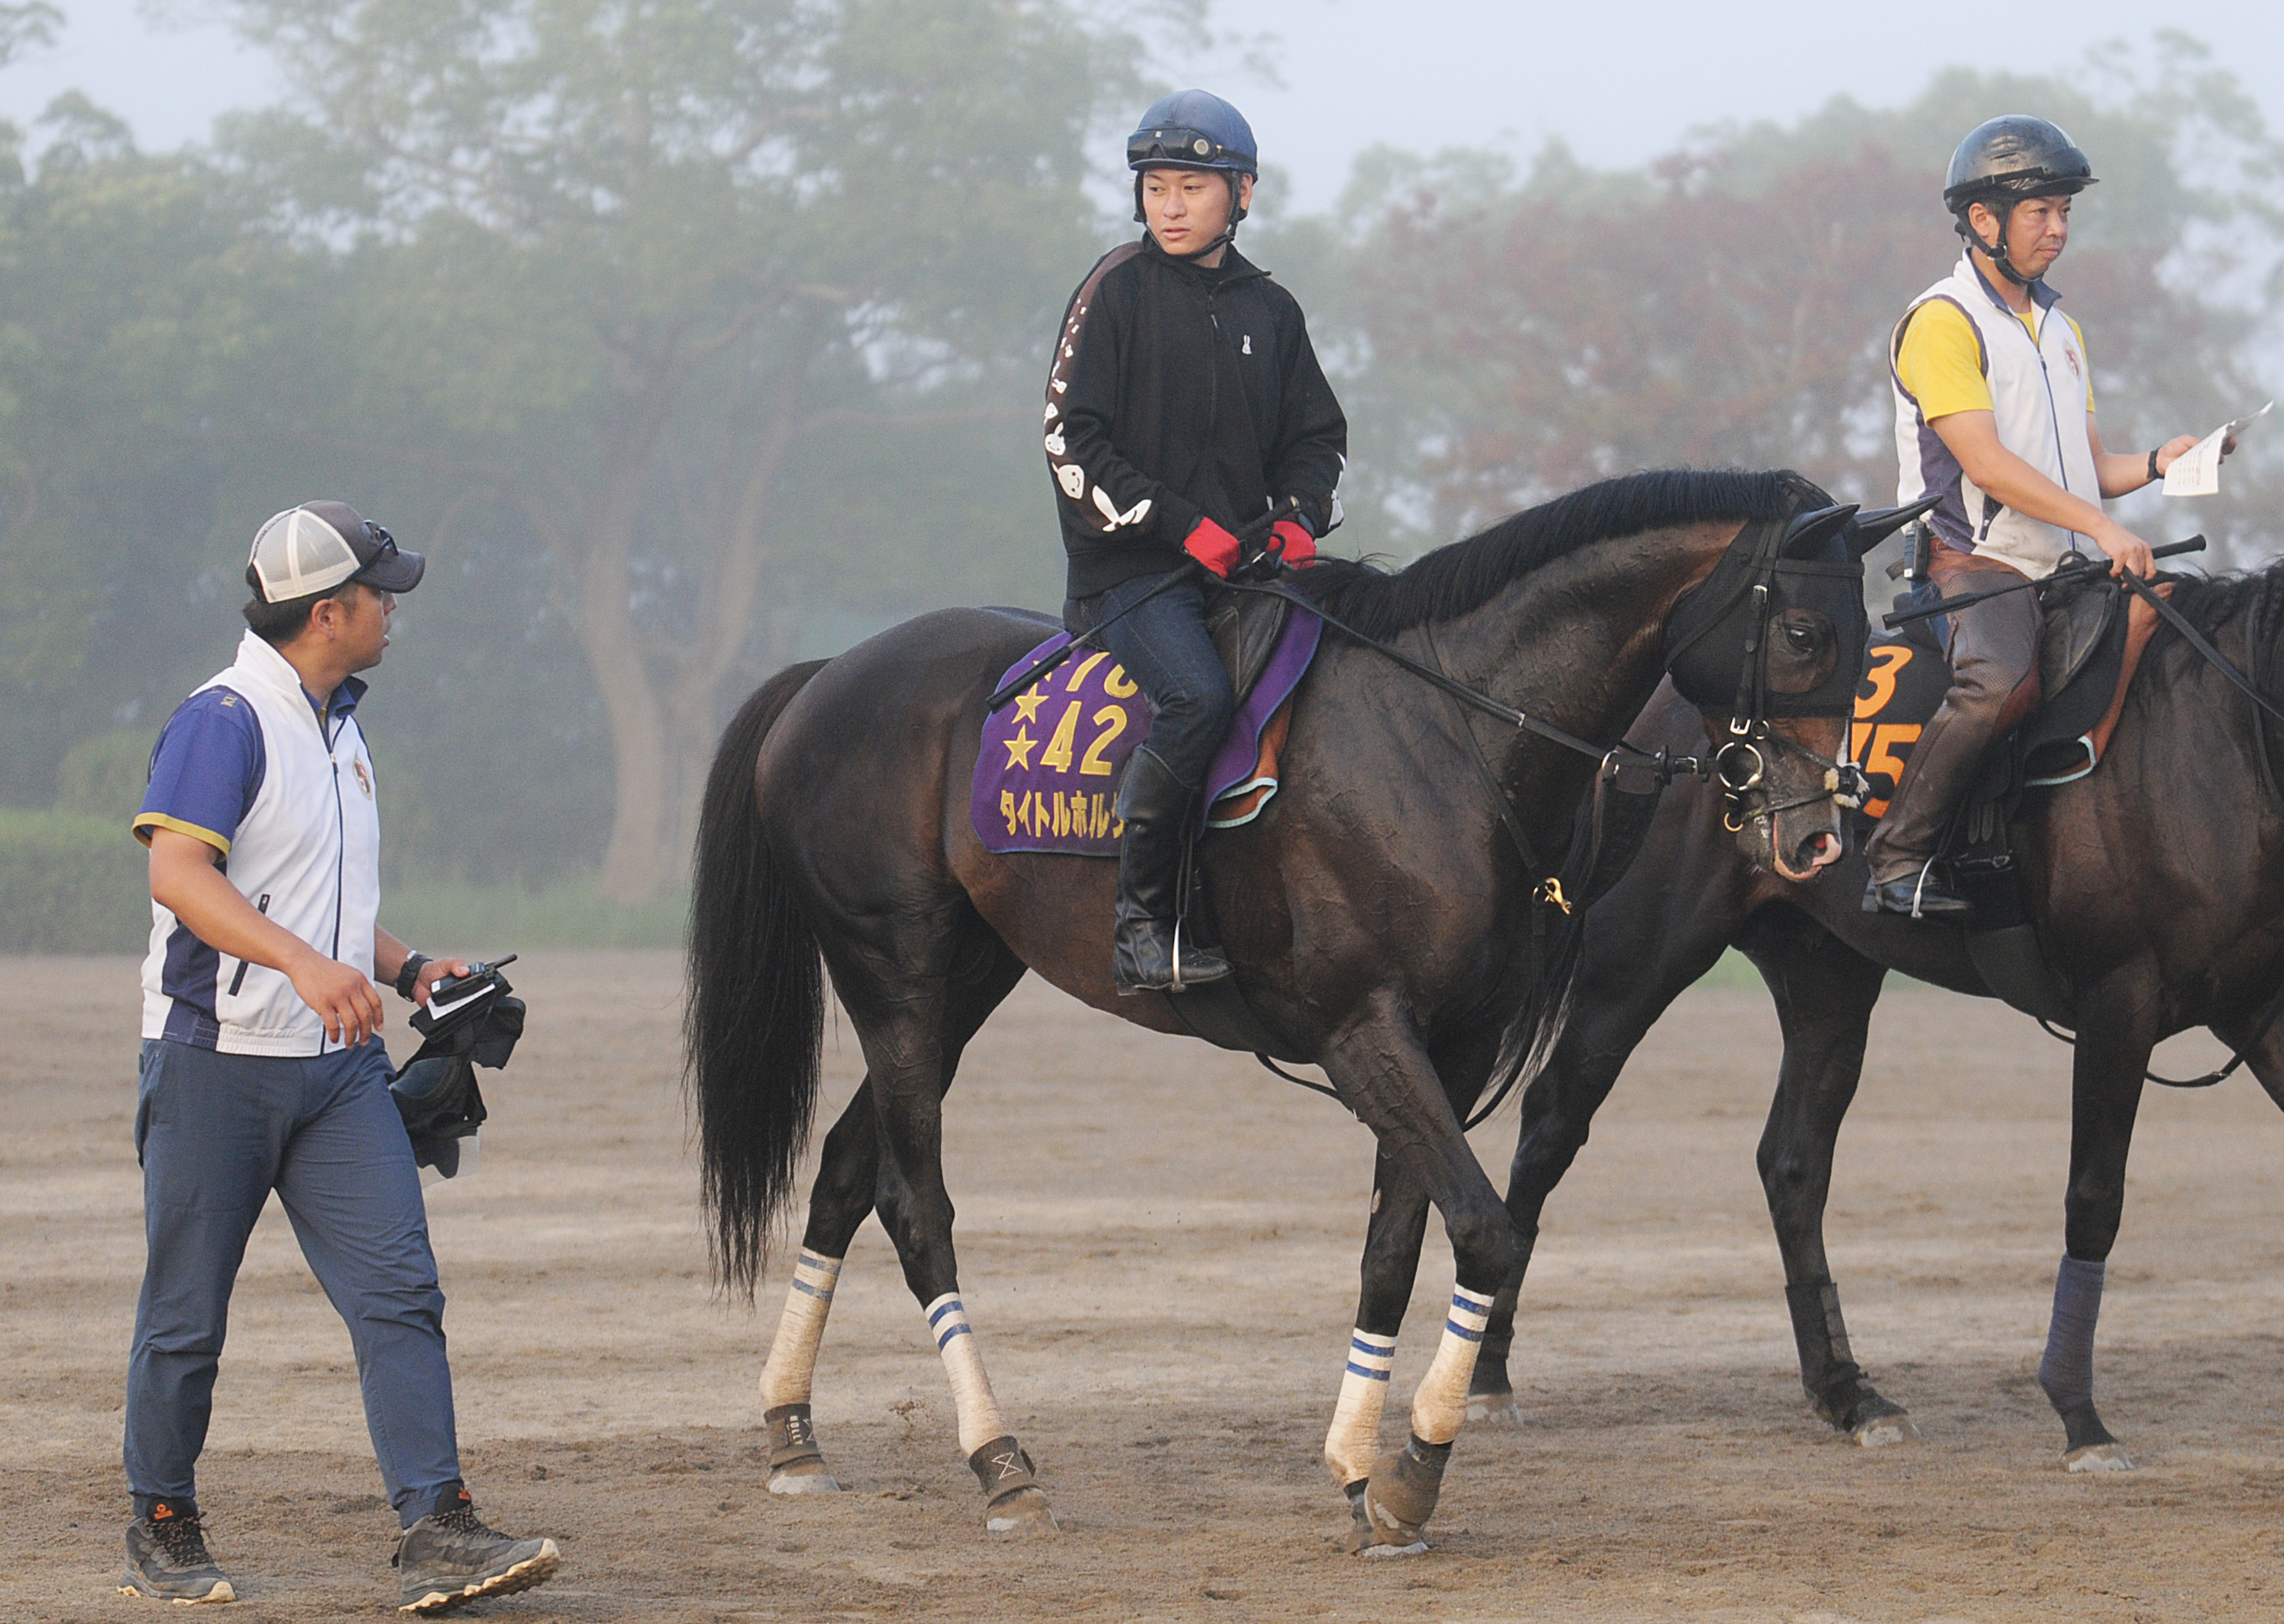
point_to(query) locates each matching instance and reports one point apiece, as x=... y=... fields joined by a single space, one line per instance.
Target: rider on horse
x=1988 y=384
x=1185 y=415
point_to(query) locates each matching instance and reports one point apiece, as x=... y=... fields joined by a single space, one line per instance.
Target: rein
x=1668 y=768
x=1748 y=730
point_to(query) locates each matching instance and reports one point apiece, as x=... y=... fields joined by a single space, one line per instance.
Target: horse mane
x=2211 y=602
x=1465 y=575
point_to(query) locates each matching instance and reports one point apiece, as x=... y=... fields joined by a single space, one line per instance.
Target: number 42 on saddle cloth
x=1047 y=778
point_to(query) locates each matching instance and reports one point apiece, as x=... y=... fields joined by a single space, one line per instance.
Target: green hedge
x=70 y=883
x=445 y=917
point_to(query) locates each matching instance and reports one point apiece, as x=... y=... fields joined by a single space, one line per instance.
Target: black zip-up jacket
x=1178 y=391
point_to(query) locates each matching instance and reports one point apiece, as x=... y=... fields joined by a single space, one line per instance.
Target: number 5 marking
x=1092 y=764
x=1884 y=762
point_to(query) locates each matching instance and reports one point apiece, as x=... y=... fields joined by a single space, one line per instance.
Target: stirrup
x=1212 y=971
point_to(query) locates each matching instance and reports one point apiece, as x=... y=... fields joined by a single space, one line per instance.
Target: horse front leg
x=2116 y=1034
x=1391 y=1262
x=1385 y=1077
x=1824 y=992
x=1643 y=951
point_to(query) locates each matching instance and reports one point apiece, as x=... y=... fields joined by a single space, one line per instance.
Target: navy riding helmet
x=1193 y=129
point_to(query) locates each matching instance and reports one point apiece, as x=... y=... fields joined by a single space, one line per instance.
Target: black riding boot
x=1942 y=767
x=1147 y=954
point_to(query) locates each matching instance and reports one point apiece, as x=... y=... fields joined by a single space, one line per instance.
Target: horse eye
x=1801 y=637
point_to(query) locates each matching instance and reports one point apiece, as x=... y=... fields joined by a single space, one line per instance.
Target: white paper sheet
x=2198 y=472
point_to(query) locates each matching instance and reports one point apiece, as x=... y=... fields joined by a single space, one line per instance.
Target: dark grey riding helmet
x=2004 y=160
x=1194 y=130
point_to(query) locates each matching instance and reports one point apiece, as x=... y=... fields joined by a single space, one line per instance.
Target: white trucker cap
x=315 y=547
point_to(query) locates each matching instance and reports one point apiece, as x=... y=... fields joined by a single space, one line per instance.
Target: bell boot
x=1147 y=952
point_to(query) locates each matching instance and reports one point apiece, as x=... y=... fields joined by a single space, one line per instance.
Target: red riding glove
x=1212 y=546
x=1300 y=546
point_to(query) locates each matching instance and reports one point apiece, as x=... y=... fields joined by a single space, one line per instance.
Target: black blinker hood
x=1717 y=638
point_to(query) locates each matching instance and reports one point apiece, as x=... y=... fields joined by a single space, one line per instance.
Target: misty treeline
x=690 y=337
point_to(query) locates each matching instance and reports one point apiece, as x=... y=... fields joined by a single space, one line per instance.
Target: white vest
x=306 y=853
x=2038 y=395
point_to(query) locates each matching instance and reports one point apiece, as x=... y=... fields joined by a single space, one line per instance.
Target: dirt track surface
x=1158 y=1246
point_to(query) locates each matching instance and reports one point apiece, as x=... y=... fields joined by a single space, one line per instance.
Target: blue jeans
x=215 y=1134
x=1164 y=648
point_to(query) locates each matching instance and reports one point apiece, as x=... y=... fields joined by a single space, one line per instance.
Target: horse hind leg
x=839 y=1202
x=841 y=1199
x=2115 y=1036
x=912 y=1034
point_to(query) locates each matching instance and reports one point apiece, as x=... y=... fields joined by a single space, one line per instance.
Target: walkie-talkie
x=1919 y=554
x=459 y=998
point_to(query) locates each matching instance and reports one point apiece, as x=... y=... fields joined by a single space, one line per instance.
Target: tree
x=620 y=268
x=1513 y=337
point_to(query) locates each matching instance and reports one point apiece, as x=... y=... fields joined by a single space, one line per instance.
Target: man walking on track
x=1994 y=413
x=263 y=1068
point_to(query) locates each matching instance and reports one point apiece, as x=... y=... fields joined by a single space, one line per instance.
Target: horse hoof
x=1364 y=1541
x=1882 y=1425
x=2098 y=1457
x=808 y=1477
x=1493 y=1409
x=1023 y=1515
x=1886 y=1433
x=1418 y=1547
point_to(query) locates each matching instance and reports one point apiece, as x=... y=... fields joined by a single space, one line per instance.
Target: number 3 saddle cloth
x=2090 y=643
x=1047 y=778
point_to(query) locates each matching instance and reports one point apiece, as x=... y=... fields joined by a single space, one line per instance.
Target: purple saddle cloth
x=1053 y=756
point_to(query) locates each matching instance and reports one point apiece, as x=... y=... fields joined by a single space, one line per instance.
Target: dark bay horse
x=1378 y=913
x=2157 y=888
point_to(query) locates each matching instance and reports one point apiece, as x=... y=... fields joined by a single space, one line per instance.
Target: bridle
x=1743 y=593
x=1745 y=584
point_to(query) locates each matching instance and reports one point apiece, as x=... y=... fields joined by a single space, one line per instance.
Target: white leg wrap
x=1440 y=1404
x=792 y=1356
x=1353 y=1444
x=980 y=1420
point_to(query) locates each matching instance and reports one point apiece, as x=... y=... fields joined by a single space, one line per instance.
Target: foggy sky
x=1621 y=81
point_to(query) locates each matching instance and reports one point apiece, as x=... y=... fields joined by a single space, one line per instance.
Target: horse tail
x=754 y=1031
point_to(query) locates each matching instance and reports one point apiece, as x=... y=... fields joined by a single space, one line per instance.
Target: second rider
x=1184 y=410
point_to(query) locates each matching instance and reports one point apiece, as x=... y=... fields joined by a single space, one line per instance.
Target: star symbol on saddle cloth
x=1027 y=707
x=1019 y=750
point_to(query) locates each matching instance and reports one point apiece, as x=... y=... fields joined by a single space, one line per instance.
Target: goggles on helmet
x=1174 y=147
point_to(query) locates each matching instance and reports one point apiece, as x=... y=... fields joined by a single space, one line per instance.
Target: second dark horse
x=2157 y=888
x=1379 y=914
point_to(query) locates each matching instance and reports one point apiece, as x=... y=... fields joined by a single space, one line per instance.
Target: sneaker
x=450 y=1558
x=166 y=1559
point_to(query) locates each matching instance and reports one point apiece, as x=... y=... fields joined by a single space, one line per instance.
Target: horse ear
x=1808 y=533
x=1877 y=526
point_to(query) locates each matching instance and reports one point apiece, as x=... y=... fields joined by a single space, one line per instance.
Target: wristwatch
x=409 y=976
x=2153 y=475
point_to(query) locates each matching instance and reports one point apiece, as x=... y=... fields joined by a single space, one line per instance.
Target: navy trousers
x=215 y=1134
x=1164 y=648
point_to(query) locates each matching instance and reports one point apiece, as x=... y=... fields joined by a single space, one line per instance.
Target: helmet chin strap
x=1998 y=255
x=1228 y=232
